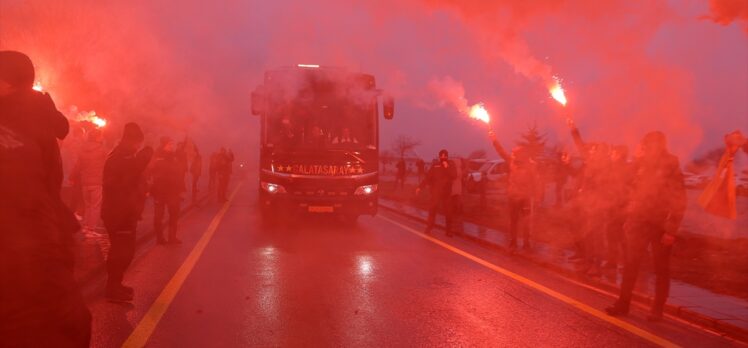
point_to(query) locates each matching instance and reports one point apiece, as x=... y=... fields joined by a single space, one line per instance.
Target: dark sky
x=185 y=66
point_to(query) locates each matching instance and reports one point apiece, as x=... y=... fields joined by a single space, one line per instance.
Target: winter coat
x=168 y=177
x=36 y=228
x=618 y=185
x=658 y=194
x=31 y=210
x=89 y=168
x=122 y=195
x=439 y=180
x=523 y=180
x=224 y=164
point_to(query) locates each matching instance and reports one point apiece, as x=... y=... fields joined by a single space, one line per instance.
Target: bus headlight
x=365 y=190
x=272 y=188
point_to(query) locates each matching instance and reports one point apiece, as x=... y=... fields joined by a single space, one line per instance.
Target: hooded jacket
x=658 y=194
x=122 y=194
x=439 y=180
x=168 y=177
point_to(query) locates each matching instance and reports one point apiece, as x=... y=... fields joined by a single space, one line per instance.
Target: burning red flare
x=557 y=91
x=92 y=117
x=479 y=112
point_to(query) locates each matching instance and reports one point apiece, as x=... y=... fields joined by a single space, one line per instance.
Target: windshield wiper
x=356 y=157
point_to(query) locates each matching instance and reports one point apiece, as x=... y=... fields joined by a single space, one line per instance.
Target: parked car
x=492 y=174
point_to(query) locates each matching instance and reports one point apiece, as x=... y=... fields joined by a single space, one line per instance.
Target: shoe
x=616 y=311
x=118 y=294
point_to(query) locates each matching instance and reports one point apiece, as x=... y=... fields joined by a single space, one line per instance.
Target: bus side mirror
x=388 y=105
x=258 y=103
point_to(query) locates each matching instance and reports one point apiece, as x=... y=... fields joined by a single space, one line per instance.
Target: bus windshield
x=324 y=117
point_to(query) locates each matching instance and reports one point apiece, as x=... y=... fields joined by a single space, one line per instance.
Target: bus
x=319 y=141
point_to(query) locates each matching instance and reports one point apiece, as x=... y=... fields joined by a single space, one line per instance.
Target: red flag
x=718 y=197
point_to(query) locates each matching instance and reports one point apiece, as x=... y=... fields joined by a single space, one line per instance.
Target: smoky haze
x=188 y=68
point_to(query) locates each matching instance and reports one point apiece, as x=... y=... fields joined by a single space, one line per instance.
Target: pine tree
x=533 y=142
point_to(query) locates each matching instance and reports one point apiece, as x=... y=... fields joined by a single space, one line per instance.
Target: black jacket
x=122 y=196
x=440 y=179
x=658 y=194
x=31 y=211
x=168 y=177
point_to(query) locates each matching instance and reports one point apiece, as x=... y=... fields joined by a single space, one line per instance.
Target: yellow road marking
x=140 y=335
x=555 y=294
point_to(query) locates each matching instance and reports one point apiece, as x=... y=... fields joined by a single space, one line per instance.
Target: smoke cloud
x=726 y=12
x=628 y=67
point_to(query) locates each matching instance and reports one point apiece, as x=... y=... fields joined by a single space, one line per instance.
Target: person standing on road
x=456 y=196
x=439 y=179
x=618 y=188
x=213 y=170
x=196 y=169
x=89 y=169
x=166 y=189
x=655 y=212
x=593 y=202
x=224 y=169
x=421 y=168
x=401 y=173
x=123 y=175
x=522 y=188
x=40 y=303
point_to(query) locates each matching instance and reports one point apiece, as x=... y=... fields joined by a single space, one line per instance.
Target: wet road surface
x=379 y=283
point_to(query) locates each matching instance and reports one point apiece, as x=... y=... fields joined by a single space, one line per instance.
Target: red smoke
x=727 y=11
x=187 y=67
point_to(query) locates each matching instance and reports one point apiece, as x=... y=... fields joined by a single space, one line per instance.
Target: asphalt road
x=321 y=283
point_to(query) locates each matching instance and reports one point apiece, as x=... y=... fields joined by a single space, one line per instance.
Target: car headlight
x=365 y=190
x=272 y=188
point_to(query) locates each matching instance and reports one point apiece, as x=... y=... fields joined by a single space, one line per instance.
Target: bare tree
x=404 y=144
x=386 y=158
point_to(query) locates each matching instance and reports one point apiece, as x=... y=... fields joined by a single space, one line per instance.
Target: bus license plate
x=320 y=209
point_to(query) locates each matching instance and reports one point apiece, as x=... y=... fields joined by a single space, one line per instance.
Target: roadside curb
x=141 y=239
x=681 y=312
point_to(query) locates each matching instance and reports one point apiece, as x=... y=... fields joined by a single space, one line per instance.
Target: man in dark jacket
x=655 y=211
x=439 y=179
x=167 y=189
x=401 y=173
x=224 y=168
x=196 y=169
x=618 y=187
x=123 y=175
x=40 y=304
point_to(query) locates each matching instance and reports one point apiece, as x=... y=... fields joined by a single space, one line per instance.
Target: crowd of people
x=618 y=208
x=48 y=197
